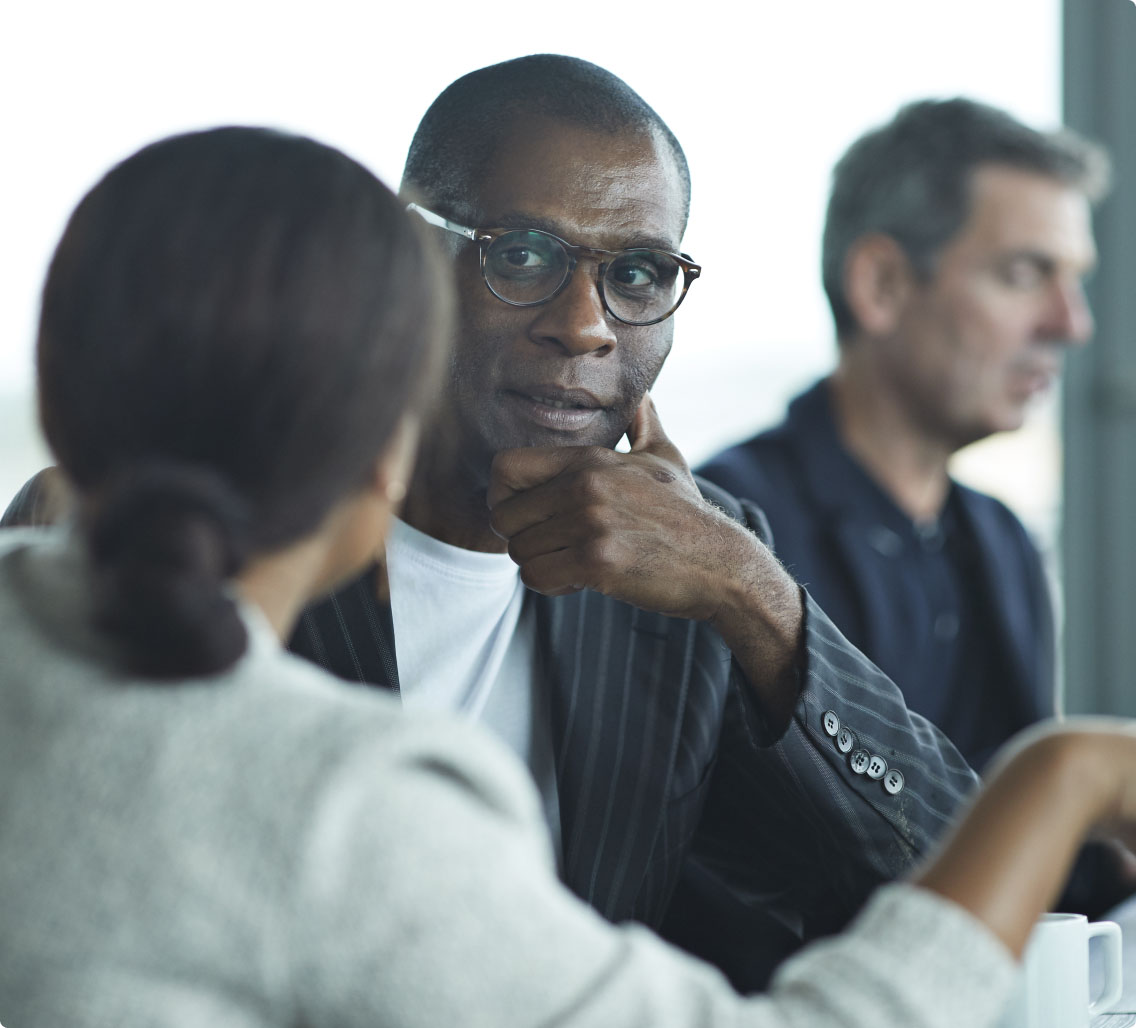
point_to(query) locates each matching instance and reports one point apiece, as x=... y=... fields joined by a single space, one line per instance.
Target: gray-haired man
x=955 y=246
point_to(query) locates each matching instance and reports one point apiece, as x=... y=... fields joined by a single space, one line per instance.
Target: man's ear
x=878 y=281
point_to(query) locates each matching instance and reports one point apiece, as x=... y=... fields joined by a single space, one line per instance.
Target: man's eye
x=1023 y=274
x=522 y=257
x=634 y=275
x=643 y=272
x=524 y=253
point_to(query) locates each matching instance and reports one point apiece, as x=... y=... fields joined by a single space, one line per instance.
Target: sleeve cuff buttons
x=861 y=761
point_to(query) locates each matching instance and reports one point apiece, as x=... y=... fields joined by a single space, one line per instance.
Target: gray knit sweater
x=273 y=847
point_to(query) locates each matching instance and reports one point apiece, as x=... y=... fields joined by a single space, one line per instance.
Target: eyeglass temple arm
x=440 y=222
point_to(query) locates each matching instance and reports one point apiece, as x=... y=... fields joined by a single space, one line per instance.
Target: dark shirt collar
x=840 y=483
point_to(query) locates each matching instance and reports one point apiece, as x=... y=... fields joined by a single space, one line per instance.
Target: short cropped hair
x=910 y=179
x=460 y=132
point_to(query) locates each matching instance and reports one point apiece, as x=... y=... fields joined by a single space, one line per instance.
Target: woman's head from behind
x=236 y=326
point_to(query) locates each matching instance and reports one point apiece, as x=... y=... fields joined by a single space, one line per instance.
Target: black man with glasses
x=715 y=760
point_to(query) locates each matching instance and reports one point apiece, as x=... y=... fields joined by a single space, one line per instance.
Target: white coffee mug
x=1053 y=986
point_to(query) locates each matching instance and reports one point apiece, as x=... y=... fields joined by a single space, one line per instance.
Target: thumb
x=646 y=434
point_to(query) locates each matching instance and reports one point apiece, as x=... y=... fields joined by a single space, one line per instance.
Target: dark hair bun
x=165 y=539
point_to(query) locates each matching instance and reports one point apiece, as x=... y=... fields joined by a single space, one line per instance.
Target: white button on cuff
x=877 y=767
x=831 y=722
x=893 y=781
x=845 y=740
x=859 y=761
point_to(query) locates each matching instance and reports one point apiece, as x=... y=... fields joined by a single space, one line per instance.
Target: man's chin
x=1004 y=421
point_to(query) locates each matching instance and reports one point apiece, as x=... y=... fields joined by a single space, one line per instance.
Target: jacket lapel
x=826 y=474
x=351 y=634
x=1027 y=657
x=616 y=724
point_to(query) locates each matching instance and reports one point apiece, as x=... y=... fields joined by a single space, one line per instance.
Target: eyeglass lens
x=528 y=267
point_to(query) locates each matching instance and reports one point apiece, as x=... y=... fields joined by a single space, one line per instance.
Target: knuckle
x=600 y=551
x=533 y=579
x=590 y=484
x=591 y=519
x=504 y=465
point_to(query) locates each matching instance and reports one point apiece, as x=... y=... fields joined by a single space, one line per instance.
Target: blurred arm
x=1008 y=858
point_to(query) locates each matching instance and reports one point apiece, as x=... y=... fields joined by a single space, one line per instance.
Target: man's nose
x=1070 y=318
x=575 y=321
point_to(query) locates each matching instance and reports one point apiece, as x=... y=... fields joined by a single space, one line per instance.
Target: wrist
x=1106 y=763
x=1085 y=763
x=760 y=616
x=756 y=595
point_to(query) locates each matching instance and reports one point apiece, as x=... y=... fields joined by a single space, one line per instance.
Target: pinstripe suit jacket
x=667 y=774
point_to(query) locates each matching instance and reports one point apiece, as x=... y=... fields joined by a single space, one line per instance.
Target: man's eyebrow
x=1045 y=262
x=526 y=219
x=1039 y=258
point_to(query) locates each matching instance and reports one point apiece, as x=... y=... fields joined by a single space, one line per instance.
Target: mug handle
x=1109 y=931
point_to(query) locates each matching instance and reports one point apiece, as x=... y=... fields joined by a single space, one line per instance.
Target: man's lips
x=564 y=410
x=1036 y=378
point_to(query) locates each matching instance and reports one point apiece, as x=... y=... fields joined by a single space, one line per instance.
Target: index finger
x=515 y=471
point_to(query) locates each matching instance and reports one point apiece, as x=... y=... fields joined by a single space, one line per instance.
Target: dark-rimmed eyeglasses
x=526 y=267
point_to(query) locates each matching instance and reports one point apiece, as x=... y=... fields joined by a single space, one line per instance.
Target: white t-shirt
x=466 y=642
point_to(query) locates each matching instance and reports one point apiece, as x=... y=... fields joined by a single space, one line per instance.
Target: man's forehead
x=584 y=184
x=1013 y=208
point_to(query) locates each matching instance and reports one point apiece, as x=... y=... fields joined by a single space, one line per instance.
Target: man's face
x=988 y=332
x=565 y=373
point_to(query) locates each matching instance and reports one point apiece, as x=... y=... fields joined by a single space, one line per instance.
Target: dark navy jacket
x=828 y=532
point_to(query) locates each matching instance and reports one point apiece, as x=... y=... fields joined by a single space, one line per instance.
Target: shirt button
x=930 y=536
x=946 y=627
x=845 y=740
x=893 y=781
x=831 y=722
x=859 y=761
x=877 y=766
x=884 y=541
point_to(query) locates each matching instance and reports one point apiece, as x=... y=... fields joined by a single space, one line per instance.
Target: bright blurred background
x=764 y=98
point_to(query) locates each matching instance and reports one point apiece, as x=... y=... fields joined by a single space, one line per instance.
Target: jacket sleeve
x=1038 y=594
x=863 y=774
x=857 y=787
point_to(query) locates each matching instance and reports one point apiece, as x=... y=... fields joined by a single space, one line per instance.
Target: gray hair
x=910 y=179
